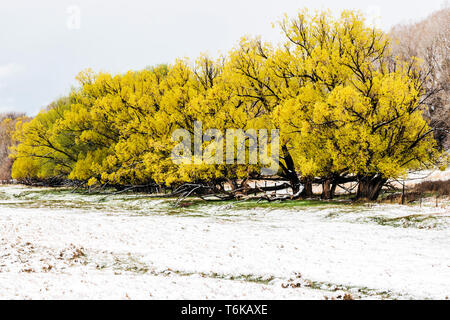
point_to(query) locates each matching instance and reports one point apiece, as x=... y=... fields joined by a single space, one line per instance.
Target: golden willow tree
x=346 y=110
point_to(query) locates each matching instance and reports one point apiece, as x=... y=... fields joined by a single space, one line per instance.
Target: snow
x=59 y=245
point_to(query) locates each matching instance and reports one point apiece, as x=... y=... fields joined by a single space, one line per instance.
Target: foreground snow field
x=55 y=244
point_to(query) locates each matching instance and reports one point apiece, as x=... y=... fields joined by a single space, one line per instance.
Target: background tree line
x=429 y=40
x=352 y=105
x=8 y=123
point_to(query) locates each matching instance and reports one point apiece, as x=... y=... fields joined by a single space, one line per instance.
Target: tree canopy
x=347 y=110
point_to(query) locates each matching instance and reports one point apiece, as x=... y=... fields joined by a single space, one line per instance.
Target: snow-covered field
x=55 y=244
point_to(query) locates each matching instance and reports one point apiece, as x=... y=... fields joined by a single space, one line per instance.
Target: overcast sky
x=44 y=44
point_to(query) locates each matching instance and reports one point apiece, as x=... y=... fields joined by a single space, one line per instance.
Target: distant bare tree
x=7 y=125
x=429 y=40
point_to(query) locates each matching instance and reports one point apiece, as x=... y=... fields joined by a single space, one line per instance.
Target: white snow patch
x=61 y=245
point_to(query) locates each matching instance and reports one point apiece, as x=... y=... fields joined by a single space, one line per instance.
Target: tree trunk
x=295 y=185
x=369 y=187
x=307 y=188
x=333 y=190
x=328 y=190
x=289 y=171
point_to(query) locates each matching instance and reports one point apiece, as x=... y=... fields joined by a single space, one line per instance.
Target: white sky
x=44 y=44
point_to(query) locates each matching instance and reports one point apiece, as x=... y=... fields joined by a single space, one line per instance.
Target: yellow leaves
x=327 y=88
x=349 y=113
x=24 y=168
x=348 y=104
x=92 y=182
x=86 y=77
x=88 y=166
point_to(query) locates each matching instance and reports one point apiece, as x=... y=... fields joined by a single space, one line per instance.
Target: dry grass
x=440 y=187
x=421 y=190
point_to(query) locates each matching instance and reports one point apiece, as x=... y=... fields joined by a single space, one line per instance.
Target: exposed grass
x=132 y=264
x=288 y=204
x=251 y=204
x=141 y=204
x=433 y=187
x=413 y=221
x=129 y=263
x=383 y=294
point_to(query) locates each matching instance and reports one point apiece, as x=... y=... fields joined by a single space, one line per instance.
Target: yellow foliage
x=329 y=88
